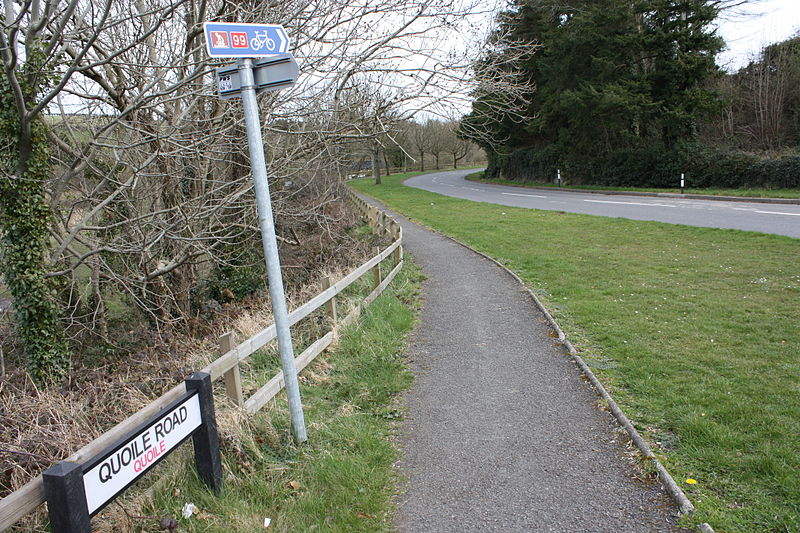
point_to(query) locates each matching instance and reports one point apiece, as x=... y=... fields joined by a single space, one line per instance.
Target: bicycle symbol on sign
x=262 y=40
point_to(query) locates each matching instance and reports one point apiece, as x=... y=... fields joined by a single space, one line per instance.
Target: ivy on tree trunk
x=24 y=238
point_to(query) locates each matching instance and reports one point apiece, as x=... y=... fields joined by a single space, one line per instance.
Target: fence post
x=233 y=377
x=205 y=438
x=377 y=268
x=327 y=282
x=66 y=498
x=398 y=253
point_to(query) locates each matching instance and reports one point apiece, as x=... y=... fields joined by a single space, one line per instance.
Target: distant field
x=694 y=330
x=751 y=193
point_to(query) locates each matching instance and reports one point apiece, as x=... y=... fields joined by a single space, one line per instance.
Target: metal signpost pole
x=267 y=224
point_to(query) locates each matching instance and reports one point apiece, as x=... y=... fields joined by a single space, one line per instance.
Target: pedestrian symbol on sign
x=220 y=39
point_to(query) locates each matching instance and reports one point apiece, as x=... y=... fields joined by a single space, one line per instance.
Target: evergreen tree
x=610 y=75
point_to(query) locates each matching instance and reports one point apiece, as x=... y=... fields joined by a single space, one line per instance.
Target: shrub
x=532 y=164
x=714 y=168
x=654 y=167
x=783 y=173
x=643 y=167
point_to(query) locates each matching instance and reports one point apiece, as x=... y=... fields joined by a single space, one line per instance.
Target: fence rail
x=27 y=498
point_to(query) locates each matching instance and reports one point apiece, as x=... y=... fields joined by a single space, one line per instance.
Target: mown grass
x=342 y=479
x=749 y=193
x=695 y=330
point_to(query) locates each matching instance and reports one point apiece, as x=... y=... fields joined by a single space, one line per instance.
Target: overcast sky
x=764 y=22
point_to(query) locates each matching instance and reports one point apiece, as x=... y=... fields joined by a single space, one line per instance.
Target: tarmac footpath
x=502 y=432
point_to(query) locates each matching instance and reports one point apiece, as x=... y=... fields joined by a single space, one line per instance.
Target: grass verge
x=746 y=193
x=693 y=329
x=342 y=479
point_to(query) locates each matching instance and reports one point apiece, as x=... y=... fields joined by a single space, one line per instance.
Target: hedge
x=647 y=167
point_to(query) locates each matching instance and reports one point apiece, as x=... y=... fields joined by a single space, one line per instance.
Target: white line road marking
x=525 y=195
x=473 y=189
x=778 y=213
x=629 y=203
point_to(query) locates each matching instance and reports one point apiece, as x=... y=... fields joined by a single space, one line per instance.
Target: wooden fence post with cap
x=398 y=253
x=327 y=282
x=233 y=377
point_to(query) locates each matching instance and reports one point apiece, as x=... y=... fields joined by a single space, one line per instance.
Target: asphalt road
x=502 y=433
x=780 y=219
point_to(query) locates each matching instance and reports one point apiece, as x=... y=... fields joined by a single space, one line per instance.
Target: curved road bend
x=502 y=433
x=780 y=219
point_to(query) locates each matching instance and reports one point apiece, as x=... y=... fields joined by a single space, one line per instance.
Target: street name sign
x=228 y=39
x=113 y=471
x=270 y=74
x=74 y=492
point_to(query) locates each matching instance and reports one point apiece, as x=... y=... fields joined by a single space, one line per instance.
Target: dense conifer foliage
x=628 y=93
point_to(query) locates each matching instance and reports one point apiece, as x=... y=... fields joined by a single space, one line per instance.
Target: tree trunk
x=386 y=163
x=25 y=224
x=25 y=232
x=376 y=170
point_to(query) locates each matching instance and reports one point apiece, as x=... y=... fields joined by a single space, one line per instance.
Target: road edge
x=716 y=198
x=677 y=494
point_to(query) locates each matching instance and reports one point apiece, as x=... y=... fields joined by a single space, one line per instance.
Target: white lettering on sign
x=129 y=461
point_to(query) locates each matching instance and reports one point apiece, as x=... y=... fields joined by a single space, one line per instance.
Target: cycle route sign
x=228 y=39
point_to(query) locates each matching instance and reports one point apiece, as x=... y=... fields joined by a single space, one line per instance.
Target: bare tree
x=147 y=186
x=761 y=108
x=367 y=116
x=420 y=143
x=501 y=91
x=437 y=133
x=454 y=145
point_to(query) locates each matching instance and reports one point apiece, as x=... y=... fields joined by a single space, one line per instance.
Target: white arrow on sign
x=283 y=38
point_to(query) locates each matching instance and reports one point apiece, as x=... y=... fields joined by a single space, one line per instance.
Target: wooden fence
x=26 y=499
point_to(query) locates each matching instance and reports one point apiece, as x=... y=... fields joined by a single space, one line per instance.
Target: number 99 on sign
x=239 y=39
